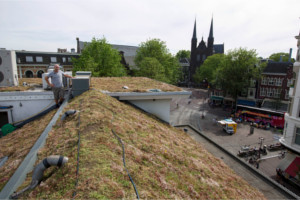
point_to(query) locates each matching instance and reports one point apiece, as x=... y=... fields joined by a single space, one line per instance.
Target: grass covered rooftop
x=163 y=161
x=111 y=84
x=134 y=84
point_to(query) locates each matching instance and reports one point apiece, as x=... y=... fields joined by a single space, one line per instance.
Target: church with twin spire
x=199 y=52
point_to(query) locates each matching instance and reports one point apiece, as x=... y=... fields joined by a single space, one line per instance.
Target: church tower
x=210 y=40
x=200 y=52
x=193 y=52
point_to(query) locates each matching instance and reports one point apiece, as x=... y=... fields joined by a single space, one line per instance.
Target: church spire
x=194 y=33
x=211 y=32
x=210 y=40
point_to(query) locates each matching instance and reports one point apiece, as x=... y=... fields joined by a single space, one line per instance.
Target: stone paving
x=191 y=110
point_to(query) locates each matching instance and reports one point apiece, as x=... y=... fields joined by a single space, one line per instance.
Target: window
x=63 y=59
x=279 y=81
x=277 y=93
x=29 y=59
x=39 y=59
x=53 y=59
x=69 y=59
x=286 y=94
x=262 y=91
x=270 y=92
x=271 y=81
x=19 y=60
x=203 y=57
x=244 y=92
x=264 y=81
x=29 y=74
x=251 y=92
x=198 y=58
x=275 y=81
x=40 y=73
x=297 y=136
x=285 y=127
x=3 y=118
x=289 y=82
x=252 y=83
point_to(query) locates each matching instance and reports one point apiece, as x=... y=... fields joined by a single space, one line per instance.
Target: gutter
x=276 y=185
x=27 y=164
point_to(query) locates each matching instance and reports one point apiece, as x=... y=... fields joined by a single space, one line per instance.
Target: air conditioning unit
x=45 y=84
x=67 y=81
x=8 y=68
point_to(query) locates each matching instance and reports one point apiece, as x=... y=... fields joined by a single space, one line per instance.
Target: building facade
x=291 y=133
x=32 y=64
x=200 y=52
x=276 y=80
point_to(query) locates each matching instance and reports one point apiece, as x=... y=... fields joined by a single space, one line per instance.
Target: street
x=196 y=112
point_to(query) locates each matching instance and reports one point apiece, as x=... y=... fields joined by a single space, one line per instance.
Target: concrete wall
x=157 y=107
x=8 y=68
x=289 y=133
x=26 y=104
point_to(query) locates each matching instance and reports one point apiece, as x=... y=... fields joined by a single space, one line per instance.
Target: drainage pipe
x=27 y=165
x=38 y=172
x=67 y=114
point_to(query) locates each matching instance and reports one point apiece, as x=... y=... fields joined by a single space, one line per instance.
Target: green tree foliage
x=159 y=53
x=285 y=57
x=101 y=59
x=209 y=68
x=183 y=54
x=238 y=67
x=151 y=68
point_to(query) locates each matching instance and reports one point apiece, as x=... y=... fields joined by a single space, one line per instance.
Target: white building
x=291 y=133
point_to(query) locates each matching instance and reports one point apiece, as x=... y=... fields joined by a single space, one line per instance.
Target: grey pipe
x=38 y=171
x=67 y=113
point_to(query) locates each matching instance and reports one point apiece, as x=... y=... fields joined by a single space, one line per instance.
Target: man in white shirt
x=57 y=84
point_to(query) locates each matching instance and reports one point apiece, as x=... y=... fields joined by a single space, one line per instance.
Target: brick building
x=35 y=63
x=276 y=80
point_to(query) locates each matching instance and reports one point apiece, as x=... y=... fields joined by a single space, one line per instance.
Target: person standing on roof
x=57 y=84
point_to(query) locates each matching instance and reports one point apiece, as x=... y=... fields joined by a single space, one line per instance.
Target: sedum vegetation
x=134 y=84
x=163 y=161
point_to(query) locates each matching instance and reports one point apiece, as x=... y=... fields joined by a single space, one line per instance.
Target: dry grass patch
x=134 y=84
x=17 y=144
x=164 y=162
x=31 y=83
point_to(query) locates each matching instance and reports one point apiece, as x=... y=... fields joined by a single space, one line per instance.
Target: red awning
x=294 y=167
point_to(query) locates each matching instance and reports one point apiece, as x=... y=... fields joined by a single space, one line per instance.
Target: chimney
x=78 y=47
x=280 y=59
x=290 y=56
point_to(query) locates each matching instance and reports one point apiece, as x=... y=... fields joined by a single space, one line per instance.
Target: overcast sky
x=269 y=26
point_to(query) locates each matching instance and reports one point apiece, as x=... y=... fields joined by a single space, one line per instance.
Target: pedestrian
x=56 y=84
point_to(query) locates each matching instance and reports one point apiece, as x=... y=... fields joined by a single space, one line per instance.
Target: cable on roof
x=123 y=155
x=78 y=150
x=123 y=149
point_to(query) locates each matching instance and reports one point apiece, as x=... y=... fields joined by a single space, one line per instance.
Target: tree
x=208 y=70
x=150 y=67
x=284 y=56
x=157 y=49
x=100 y=58
x=238 y=67
x=183 y=54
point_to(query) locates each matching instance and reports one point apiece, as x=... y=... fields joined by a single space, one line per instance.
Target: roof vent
x=154 y=90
